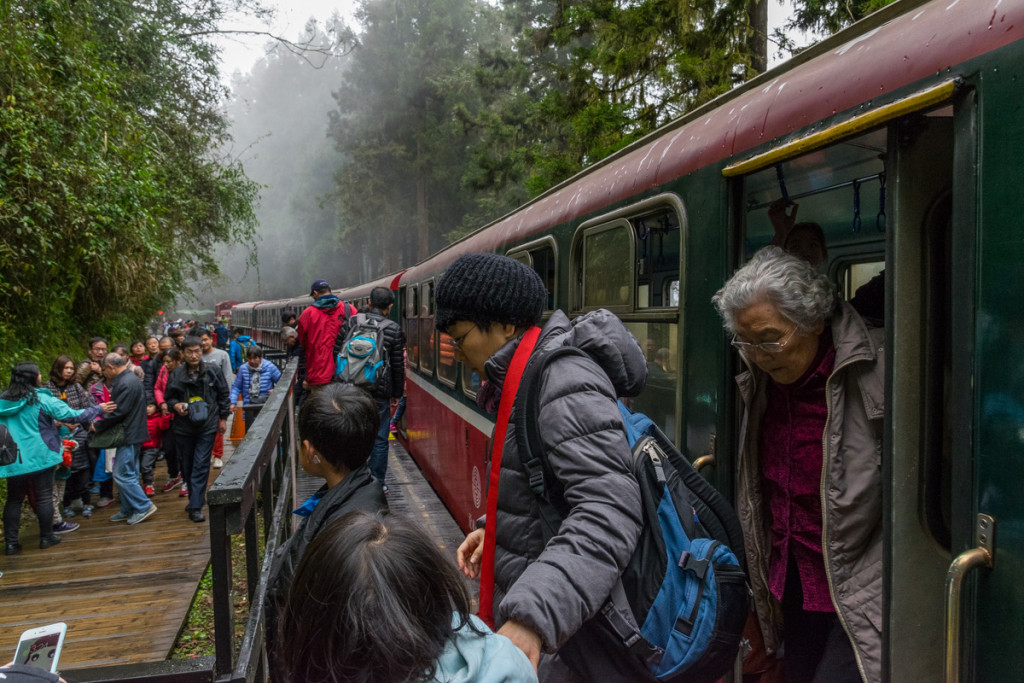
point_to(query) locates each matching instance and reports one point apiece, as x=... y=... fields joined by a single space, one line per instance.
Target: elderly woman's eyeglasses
x=763 y=347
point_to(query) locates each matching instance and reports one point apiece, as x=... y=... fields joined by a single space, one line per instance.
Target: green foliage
x=825 y=17
x=110 y=192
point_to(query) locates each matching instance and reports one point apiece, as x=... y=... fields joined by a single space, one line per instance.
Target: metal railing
x=258 y=478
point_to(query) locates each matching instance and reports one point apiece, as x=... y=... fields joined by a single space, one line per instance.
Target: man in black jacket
x=390 y=390
x=197 y=392
x=127 y=392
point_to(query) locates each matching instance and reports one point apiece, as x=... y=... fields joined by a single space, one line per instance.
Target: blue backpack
x=682 y=600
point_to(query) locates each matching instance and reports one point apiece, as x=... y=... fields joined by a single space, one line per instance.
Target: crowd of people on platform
x=109 y=419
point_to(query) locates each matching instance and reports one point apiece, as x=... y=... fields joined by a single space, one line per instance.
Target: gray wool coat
x=554 y=589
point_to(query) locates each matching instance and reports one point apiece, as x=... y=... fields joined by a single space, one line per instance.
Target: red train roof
x=885 y=54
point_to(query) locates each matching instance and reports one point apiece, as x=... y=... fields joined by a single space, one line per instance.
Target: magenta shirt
x=791 y=451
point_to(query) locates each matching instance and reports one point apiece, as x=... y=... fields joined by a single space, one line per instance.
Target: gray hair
x=288 y=332
x=795 y=287
x=114 y=360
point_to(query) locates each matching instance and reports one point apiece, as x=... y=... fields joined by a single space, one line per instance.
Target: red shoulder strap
x=508 y=397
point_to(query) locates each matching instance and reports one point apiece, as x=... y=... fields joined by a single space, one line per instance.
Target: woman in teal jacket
x=28 y=412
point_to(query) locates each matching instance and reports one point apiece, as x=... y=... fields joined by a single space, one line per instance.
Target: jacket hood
x=327 y=303
x=9 y=408
x=600 y=335
x=243 y=339
x=603 y=337
x=482 y=657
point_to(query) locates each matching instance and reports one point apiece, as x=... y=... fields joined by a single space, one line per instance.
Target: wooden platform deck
x=124 y=591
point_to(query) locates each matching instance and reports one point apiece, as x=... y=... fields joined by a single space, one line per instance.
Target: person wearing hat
x=318 y=330
x=544 y=595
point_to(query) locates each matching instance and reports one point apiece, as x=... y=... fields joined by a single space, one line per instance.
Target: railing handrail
x=237 y=485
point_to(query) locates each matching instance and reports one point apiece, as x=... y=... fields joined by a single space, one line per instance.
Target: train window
x=427 y=332
x=658 y=244
x=605 y=277
x=853 y=276
x=660 y=342
x=542 y=256
x=412 y=325
x=447 y=368
x=631 y=262
x=470 y=381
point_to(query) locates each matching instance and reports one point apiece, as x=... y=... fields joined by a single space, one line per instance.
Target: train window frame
x=411 y=312
x=578 y=257
x=669 y=202
x=527 y=250
x=426 y=314
x=467 y=385
x=448 y=381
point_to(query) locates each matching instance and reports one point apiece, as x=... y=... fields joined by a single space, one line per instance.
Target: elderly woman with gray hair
x=809 y=471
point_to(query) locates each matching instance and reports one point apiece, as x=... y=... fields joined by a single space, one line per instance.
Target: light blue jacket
x=33 y=429
x=486 y=657
x=269 y=374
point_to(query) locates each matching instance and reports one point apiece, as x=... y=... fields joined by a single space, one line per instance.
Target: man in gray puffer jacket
x=546 y=594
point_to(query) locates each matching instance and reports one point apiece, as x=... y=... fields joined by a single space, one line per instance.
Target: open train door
x=955 y=424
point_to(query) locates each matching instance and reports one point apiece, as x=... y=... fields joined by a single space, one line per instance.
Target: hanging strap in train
x=508 y=396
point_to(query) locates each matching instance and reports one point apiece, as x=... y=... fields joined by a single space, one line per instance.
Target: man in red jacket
x=318 y=330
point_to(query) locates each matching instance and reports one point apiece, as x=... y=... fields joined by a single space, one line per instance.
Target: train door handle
x=703 y=461
x=982 y=555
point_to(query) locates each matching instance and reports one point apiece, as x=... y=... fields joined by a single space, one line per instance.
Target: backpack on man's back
x=682 y=601
x=363 y=358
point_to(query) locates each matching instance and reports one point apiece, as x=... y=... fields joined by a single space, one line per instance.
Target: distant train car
x=223 y=309
x=901 y=137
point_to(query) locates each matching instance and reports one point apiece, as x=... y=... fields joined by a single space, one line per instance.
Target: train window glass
x=607 y=274
x=542 y=257
x=658 y=401
x=658 y=243
x=447 y=368
x=855 y=275
x=427 y=333
x=412 y=328
x=470 y=381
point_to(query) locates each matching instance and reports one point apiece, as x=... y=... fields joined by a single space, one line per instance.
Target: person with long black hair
x=28 y=412
x=375 y=600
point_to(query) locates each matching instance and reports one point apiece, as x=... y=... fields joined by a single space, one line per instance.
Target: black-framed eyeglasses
x=763 y=347
x=456 y=342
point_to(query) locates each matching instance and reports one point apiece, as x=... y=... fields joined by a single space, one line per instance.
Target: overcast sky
x=241 y=52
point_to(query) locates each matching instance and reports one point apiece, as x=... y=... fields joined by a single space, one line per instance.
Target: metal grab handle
x=981 y=555
x=703 y=461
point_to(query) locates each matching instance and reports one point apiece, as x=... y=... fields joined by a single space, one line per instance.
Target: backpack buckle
x=535 y=474
x=688 y=562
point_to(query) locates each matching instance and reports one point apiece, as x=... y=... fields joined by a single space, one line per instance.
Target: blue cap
x=317 y=286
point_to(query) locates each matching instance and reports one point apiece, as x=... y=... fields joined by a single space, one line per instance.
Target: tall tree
x=112 y=189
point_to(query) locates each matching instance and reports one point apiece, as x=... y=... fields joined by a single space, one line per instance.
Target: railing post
x=223 y=611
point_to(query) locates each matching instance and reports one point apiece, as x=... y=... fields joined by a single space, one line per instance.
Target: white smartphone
x=40 y=647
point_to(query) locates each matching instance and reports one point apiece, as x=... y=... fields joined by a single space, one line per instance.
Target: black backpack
x=9 y=453
x=682 y=600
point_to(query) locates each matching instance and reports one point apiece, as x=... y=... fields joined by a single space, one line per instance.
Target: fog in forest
x=279 y=125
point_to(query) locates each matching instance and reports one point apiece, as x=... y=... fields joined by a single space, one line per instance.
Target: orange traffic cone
x=237 y=424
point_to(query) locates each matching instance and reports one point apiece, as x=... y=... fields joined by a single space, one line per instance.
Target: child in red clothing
x=158 y=424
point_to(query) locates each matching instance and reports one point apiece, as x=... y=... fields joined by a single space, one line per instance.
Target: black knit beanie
x=487 y=288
